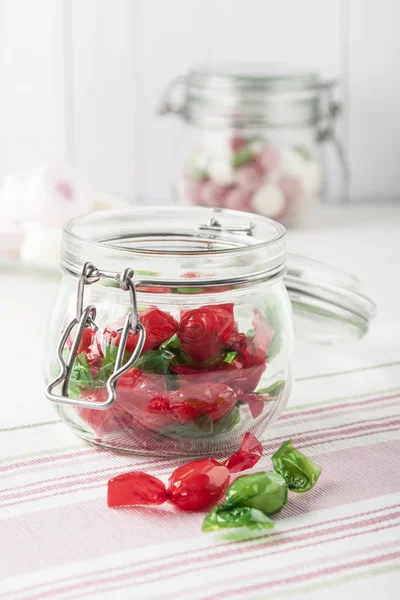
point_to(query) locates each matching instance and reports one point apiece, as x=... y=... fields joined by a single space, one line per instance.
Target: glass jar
x=173 y=327
x=252 y=139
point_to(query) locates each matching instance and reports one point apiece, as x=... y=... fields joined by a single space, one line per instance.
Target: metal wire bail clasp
x=85 y=317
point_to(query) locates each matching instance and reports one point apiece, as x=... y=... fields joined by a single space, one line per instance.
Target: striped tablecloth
x=59 y=540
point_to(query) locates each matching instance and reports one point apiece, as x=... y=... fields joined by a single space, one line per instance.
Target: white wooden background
x=80 y=79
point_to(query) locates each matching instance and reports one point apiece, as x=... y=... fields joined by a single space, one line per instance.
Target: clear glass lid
x=327 y=303
x=196 y=247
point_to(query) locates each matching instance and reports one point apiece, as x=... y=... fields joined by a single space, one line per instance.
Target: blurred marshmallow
x=269 y=201
x=54 y=195
x=292 y=163
x=11 y=236
x=220 y=170
x=40 y=246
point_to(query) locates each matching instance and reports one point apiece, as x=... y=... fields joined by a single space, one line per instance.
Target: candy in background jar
x=251 y=174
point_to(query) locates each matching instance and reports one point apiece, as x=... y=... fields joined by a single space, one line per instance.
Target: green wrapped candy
x=273 y=390
x=266 y=491
x=226 y=517
x=155 y=361
x=242 y=156
x=299 y=472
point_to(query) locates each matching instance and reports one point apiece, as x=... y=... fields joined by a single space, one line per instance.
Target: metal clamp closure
x=215 y=225
x=85 y=317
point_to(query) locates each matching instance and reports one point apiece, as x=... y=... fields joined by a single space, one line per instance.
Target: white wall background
x=80 y=80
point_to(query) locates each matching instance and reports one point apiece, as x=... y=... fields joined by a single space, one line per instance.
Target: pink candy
x=290 y=186
x=270 y=158
x=250 y=176
x=238 y=199
x=213 y=194
x=238 y=142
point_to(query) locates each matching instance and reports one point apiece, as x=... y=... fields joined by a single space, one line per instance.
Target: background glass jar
x=193 y=348
x=252 y=139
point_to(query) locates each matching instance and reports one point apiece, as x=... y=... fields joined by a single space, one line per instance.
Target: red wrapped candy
x=247 y=456
x=255 y=402
x=160 y=326
x=203 y=332
x=199 y=485
x=101 y=421
x=135 y=488
x=192 y=401
x=90 y=346
x=207 y=367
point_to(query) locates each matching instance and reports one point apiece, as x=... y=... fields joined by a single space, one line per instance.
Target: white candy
x=199 y=160
x=292 y=163
x=257 y=145
x=269 y=201
x=41 y=246
x=220 y=170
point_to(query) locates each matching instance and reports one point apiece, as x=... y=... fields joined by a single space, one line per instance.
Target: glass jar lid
x=246 y=94
x=197 y=247
x=326 y=301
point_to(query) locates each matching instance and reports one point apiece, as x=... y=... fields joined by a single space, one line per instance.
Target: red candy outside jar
x=197 y=485
x=172 y=331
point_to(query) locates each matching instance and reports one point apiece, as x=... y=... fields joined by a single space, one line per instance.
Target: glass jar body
x=275 y=171
x=216 y=363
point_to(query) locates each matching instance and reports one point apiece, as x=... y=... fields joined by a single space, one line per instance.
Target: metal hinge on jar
x=85 y=317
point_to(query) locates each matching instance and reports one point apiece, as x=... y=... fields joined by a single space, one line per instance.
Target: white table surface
x=362 y=240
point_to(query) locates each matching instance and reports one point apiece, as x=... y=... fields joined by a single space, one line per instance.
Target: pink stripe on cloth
x=80 y=488
x=348 y=476
x=56 y=490
x=55 y=482
x=325 y=432
x=332 y=407
x=282 y=423
x=124 y=577
x=271 y=535
x=98 y=451
x=58 y=484
x=333 y=570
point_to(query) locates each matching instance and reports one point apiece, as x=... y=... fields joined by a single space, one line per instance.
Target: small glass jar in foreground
x=180 y=316
x=251 y=139
x=172 y=331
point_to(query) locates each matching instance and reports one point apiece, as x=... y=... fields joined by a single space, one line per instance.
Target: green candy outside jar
x=267 y=491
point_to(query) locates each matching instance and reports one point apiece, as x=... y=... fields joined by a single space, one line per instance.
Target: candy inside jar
x=251 y=174
x=197 y=376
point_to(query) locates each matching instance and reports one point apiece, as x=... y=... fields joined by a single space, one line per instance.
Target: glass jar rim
x=166 y=243
x=224 y=253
